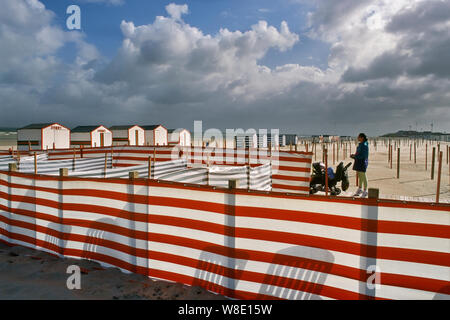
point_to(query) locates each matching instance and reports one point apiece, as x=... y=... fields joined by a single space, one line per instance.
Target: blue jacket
x=362 y=151
x=361 y=157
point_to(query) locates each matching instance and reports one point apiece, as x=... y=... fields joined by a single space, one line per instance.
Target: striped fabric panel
x=291 y=170
x=244 y=245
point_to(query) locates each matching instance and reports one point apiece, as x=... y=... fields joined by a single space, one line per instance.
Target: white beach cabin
x=132 y=135
x=90 y=136
x=181 y=137
x=156 y=135
x=288 y=139
x=43 y=136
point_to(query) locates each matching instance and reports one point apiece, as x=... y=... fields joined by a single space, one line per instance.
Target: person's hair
x=363 y=135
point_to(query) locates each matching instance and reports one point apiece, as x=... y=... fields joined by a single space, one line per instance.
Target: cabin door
x=137 y=137
x=102 y=139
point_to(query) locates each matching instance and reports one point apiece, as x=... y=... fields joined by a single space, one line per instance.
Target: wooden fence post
x=133 y=175
x=326 y=170
x=233 y=184
x=392 y=156
x=105 y=165
x=438 y=189
x=149 y=173
x=415 y=153
x=433 y=160
x=35 y=163
x=63 y=172
x=374 y=193
x=398 y=163
x=426 y=156
x=12 y=167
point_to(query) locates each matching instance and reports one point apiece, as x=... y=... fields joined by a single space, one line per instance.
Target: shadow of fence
x=220 y=268
x=297 y=273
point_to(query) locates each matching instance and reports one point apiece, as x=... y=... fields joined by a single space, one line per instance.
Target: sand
x=415 y=182
x=31 y=275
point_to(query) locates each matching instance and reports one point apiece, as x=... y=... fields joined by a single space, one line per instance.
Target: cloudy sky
x=303 y=66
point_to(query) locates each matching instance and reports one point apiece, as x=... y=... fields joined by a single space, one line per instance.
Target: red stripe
x=387 y=279
x=411 y=255
x=394 y=227
x=289 y=187
x=280 y=195
x=291 y=178
x=295 y=169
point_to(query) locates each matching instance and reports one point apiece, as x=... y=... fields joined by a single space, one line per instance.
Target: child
x=361 y=162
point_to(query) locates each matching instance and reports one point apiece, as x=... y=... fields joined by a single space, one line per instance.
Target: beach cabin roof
x=124 y=127
x=85 y=128
x=41 y=125
x=37 y=125
x=152 y=127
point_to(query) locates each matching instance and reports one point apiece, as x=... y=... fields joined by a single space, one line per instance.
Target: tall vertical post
x=426 y=156
x=63 y=172
x=398 y=163
x=337 y=151
x=415 y=154
x=391 y=147
x=248 y=168
x=326 y=170
x=448 y=151
x=112 y=157
x=438 y=191
x=35 y=163
x=149 y=173
x=334 y=151
x=410 y=152
x=389 y=154
x=105 y=166
x=433 y=160
x=73 y=160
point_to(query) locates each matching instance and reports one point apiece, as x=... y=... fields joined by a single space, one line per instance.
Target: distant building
x=90 y=136
x=43 y=136
x=132 y=135
x=246 y=140
x=181 y=137
x=288 y=139
x=155 y=135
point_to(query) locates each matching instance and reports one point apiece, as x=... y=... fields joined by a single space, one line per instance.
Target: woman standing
x=361 y=162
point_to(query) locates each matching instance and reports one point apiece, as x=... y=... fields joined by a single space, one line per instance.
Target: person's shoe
x=364 y=194
x=358 y=192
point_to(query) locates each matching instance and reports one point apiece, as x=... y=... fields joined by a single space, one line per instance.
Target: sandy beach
x=415 y=182
x=35 y=275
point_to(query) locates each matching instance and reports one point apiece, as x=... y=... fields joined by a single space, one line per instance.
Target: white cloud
x=175 y=10
x=381 y=72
